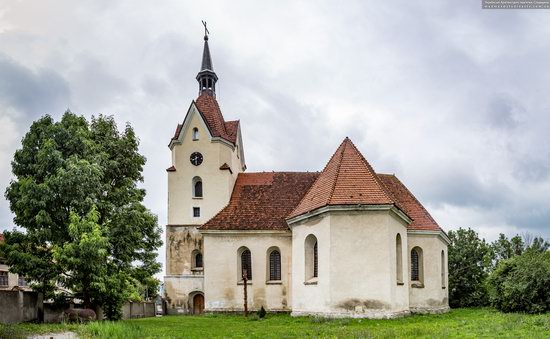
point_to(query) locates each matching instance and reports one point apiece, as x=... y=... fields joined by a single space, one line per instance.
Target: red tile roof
x=210 y=110
x=348 y=179
x=212 y=115
x=1 y=237
x=261 y=201
x=422 y=220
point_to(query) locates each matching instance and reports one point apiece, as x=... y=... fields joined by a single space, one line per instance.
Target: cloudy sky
x=452 y=99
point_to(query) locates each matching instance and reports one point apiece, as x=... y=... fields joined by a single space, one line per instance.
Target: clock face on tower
x=196 y=158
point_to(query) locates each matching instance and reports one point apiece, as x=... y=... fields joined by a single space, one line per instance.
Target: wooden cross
x=206 y=32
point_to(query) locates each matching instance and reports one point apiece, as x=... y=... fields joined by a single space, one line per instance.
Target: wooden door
x=198 y=304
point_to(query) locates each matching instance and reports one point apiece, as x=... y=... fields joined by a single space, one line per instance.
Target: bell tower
x=207 y=78
x=207 y=156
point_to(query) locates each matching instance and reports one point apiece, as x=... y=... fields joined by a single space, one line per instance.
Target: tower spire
x=206 y=77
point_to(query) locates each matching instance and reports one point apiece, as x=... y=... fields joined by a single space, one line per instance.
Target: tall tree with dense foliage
x=75 y=193
x=469 y=258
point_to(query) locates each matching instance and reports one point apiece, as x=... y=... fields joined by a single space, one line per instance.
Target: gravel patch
x=61 y=335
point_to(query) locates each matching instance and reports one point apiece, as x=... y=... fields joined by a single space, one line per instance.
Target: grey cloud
x=504 y=112
x=33 y=93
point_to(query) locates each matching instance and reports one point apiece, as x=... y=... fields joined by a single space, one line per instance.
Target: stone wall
x=22 y=306
x=138 y=310
x=17 y=306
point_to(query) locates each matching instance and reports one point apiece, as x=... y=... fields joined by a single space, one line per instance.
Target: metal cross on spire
x=206 y=32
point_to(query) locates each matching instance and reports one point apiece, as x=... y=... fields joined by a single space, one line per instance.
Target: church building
x=343 y=242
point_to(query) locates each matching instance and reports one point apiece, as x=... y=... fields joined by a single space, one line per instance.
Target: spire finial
x=206 y=32
x=207 y=78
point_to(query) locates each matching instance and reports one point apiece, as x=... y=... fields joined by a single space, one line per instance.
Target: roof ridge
x=376 y=179
x=338 y=170
x=313 y=184
x=417 y=201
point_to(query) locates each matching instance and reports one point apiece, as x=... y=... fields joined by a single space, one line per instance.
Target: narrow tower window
x=196 y=212
x=197 y=187
x=198 y=260
x=195 y=133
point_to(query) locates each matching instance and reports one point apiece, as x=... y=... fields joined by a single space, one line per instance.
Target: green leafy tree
x=75 y=194
x=503 y=249
x=469 y=258
x=520 y=284
x=517 y=245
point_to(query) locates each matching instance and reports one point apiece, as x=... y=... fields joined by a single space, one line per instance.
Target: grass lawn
x=463 y=323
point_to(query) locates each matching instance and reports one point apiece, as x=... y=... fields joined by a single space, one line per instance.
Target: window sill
x=274 y=282
x=197 y=269
x=400 y=283
x=248 y=283
x=443 y=287
x=417 y=284
x=312 y=281
x=197 y=198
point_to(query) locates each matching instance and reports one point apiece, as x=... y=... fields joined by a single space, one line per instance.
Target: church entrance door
x=198 y=304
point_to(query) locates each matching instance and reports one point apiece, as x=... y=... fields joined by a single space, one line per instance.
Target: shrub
x=520 y=284
x=261 y=312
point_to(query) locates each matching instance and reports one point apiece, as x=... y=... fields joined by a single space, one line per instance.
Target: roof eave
x=439 y=233
x=347 y=208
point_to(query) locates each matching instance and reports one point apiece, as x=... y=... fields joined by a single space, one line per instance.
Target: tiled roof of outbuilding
x=348 y=179
x=261 y=201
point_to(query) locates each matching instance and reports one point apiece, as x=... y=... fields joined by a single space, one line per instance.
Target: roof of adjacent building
x=261 y=201
x=213 y=117
x=348 y=179
x=264 y=201
x=1 y=237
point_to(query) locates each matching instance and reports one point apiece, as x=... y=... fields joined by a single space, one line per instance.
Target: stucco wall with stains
x=223 y=288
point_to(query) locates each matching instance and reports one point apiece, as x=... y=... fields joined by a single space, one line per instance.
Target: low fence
x=22 y=306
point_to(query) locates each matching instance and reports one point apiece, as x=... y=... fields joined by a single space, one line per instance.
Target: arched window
x=398 y=259
x=196 y=259
x=443 y=269
x=417 y=266
x=246 y=264
x=274 y=264
x=197 y=187
x=315 y=261
x=195 y=133
x=311 y=258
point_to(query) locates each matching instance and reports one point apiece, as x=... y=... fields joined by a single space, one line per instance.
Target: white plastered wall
x=433 y=296
x=223 y=288
x=357 y=270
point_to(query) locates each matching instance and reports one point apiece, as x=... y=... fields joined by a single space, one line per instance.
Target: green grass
x=460 y=323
